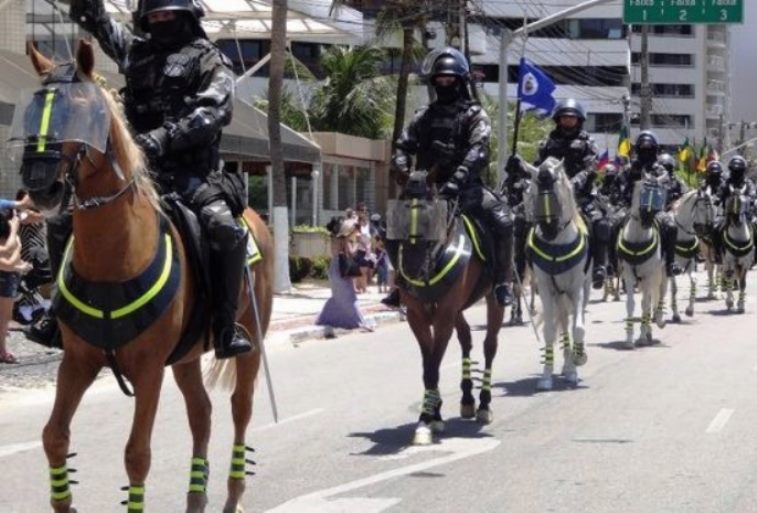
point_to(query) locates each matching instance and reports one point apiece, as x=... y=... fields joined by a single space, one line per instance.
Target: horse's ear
x=85 y=58
x=42 y=65
x=532 y=170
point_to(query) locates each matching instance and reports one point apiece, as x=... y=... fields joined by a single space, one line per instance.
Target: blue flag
x=535 y=88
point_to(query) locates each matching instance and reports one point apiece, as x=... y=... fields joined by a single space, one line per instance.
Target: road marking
x=9 y=450
x=720 y=420
x=317 y=502
x=304 y=415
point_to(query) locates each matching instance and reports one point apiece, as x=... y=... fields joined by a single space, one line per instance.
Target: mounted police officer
x=178 y=97
x=571 y=143
x=646 y=162
x=515 y=188
x=676 y=187
x=450 y=137
x=714 y=178
x=736 y=181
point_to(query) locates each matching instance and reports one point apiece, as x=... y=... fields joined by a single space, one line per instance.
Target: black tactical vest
x=574 y=150
x=443 y=126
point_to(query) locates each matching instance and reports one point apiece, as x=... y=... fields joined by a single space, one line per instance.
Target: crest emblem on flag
x=530 y=85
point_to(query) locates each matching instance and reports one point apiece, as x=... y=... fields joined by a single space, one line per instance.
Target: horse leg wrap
x=239 y=462
x=629 y=324
x=59 y=484
x=466 y=384
x=549 y=356
x=198 y=475
x=565 y=341
x=486 y=389
x=136 y=501
x=578 y=349
x=432 y=400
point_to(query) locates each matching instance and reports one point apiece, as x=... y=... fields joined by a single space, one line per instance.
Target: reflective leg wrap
x=486 y=385
x=432 y=400
x=198 y=475
x=59 y=484
x=578 y=349
x=239 y=462
x=646 y=321
x=548 y=356
x=136 y=501
x=565 y=341
x=629 y=324
x=466 y=368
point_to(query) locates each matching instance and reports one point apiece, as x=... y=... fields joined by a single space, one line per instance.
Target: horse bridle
x=71 y=178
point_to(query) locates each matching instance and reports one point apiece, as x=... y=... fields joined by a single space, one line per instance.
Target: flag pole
x=518 y=115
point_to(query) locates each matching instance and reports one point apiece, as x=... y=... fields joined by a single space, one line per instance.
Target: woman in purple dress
x=342 y=310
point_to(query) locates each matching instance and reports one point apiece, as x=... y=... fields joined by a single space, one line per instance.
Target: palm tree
x=354 y=99
x=275 y=87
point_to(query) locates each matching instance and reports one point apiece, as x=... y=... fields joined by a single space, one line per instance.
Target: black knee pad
x=602 y=230
x=223 y=230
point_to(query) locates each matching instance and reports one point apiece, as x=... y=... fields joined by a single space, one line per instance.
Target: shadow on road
x=526 y=387
x=389 y=441
x=620 y=345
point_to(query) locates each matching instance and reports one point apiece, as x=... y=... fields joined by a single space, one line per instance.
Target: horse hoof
x=571 y=377
x=580 y=359
x=629 y=344
x=740 y=309
x=729 y=304
x=467 y=411
x=544 y=384
x=437 y=426
x=484 y=416
x=689 y=312
x=676 y=318
x=423 y=435
x=660 y=322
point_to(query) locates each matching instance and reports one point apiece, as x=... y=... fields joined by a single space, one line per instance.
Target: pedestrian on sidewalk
x=382 y=266
x=11 y=268
x=342 y=310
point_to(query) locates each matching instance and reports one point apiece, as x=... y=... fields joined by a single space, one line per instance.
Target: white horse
x=707 y=249
x=694 y=216
x=558 y=249
x=640 y=256
x=738 y=245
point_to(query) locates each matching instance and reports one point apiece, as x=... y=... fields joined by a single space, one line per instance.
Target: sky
x=744 y=66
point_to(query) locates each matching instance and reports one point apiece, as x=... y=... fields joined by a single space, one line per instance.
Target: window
x=668 y=121
x=666 y=90
x=667 y=30
x=580 y=75
x=665 y=59
x=251 y=52
x=603 y=122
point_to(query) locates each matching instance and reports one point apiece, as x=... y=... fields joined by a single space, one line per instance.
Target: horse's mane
x=128 y=155
x=677 y=204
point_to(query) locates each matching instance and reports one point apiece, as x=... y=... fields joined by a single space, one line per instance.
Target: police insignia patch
x=176 y=65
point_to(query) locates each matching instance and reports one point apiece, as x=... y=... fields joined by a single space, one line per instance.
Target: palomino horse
x=640 y=257
x=738 y=246
x=443 y=273
x=558 y=249
x=118 y=231
x=694 y=216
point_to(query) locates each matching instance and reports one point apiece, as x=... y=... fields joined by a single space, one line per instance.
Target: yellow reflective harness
x=556 y=259
x=637 y=253
x=736 y=250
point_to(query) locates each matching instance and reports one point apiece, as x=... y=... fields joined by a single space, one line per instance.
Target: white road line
x=304 y=415
x=11 y=449
x=720 y=420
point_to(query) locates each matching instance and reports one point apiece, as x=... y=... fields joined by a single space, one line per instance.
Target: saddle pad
x=253 y=250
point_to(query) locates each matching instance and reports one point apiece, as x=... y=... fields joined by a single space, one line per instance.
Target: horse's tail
x=221 y=374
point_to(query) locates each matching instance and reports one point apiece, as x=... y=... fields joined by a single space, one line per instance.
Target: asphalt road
x=666 y=428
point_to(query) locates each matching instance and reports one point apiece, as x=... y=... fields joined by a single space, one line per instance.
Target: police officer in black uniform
x=676 y=187
x=714 y=178
x=611 y=194
x=646 y=162
x=737 y=181
x=178 y=97
x=451 y=135
x=569 y=141
x=516 y=186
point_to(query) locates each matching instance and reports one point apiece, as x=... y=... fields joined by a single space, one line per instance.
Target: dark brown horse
x=436 y=291
x=114 y=242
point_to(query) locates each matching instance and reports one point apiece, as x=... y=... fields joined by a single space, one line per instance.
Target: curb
x=317 y=332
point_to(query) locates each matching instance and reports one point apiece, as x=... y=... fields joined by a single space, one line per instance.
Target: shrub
x=299 y=268
x=320 y=269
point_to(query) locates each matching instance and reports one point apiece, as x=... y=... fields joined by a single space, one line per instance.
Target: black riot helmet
x=447 y=62
x=569 y=107
x=646 y=147
x=737 y=166
x=190 y=8
x=667 y=161
x=715 y=168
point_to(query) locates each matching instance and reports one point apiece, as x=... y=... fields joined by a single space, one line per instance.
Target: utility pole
x=506 y=37
x=646 y=91
x=721 y=133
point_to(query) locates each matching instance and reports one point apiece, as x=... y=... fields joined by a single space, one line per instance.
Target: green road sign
x=683 y=11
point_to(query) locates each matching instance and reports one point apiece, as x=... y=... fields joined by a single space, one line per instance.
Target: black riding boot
x=669 y=251
x=392 y=300
x=599 y=256
x=503 y=268
x=45 y=331
x=227 y=273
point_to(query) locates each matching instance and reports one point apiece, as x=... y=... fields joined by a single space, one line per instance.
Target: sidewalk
x=294 y=314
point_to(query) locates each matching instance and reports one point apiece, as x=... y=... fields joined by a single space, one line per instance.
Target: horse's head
x=67 y=131
x=551 y=197
x=736 y=206
x=649 y=198
x=703 y=212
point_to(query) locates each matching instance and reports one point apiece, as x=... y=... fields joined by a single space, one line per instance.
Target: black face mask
x=647 y=155
x=173 y=33
x=447 y=94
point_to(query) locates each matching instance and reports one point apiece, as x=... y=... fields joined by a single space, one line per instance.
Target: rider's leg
x=228 y=253
x=393 y=298
x=499 y=220
x=59 y=229
x=668 y=236
x=601 y=239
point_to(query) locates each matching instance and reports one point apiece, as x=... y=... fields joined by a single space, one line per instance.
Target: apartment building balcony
x=716 y=87
x=716 y=63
